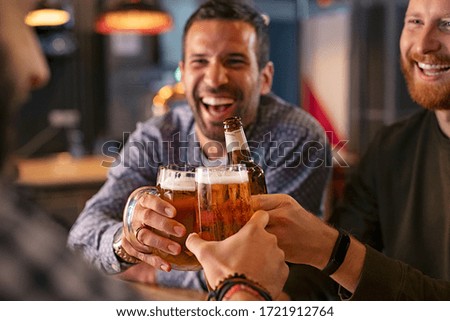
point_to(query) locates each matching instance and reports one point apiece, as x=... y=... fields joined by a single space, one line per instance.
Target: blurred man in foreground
x=34 y=263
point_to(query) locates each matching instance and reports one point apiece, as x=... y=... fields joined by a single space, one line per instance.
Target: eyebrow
x=237 y=54
x=419 y=14
x=233 y=54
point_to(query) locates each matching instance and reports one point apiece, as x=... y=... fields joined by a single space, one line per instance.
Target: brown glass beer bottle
x=239 y=153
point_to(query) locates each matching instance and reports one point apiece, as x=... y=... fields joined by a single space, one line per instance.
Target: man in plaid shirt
x=226 y=72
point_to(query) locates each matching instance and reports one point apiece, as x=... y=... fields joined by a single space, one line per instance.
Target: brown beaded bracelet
x=231 y=281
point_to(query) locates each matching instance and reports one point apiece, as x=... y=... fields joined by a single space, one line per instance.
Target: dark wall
x=378 y=92
x=285 y=55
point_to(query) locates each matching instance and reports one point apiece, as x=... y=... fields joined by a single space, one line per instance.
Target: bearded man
x=226 y=71
x=398 y=200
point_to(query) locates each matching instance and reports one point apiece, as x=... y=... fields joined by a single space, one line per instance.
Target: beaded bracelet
x=242 y=287
x=229 y=283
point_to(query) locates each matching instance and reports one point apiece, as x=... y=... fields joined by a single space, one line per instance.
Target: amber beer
x=223 y=200
x=176 y=185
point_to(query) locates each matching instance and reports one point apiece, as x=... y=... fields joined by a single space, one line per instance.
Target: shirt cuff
x=379 y=278
x=182 y=279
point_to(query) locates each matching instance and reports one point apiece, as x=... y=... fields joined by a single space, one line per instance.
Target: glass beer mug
x=176 y=185
x=223 y=195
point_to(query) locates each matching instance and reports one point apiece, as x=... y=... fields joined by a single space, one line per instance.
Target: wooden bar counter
x=61 y=184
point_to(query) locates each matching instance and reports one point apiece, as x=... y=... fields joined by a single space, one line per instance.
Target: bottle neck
x=237 y=146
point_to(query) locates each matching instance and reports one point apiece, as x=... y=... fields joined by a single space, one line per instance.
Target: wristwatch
x=121 y=254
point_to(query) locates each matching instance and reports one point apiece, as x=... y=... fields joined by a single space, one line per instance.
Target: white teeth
x=433 y=70
x=428 y=67
x=217 y=101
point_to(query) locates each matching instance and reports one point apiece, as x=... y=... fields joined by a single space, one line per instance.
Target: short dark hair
x=234 y=10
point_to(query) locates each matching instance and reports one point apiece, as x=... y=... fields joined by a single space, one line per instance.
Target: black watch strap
x=339 y=252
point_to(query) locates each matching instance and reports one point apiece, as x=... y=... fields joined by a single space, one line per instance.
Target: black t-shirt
x=398 y=200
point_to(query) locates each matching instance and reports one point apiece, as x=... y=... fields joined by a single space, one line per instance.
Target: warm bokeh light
x=146 y=22
x=165 y=92
x=179 y=88
x=47 y=17
x=165 y=95
x=324 y=3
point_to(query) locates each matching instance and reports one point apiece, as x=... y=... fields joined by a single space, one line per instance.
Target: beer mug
x=176 y=185
x=223 y=195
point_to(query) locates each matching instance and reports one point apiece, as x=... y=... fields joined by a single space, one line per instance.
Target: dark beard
x=215 y=135
x=432 y=97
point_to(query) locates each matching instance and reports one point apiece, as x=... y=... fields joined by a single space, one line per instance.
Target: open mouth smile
x=432 y=70
x=217 y=106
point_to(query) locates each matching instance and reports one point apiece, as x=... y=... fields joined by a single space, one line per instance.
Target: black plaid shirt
x=35 y=263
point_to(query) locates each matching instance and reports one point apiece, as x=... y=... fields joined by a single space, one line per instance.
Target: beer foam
x=178 y=184
x=222 y=177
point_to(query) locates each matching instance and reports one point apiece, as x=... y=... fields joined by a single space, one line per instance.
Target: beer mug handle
x=133 y=199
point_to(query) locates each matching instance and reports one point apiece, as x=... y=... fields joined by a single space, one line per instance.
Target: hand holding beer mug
x=176 y=185
x=223 y=195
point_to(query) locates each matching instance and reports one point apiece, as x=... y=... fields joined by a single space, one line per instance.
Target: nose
x=428 y=40
x=215 y=75
x=34 y=62
x=39 y=75
x=37 y=81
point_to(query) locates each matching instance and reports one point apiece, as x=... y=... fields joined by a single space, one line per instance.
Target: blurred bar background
x=337 y=59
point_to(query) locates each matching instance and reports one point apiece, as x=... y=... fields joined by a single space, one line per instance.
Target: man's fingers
x=266 y=202
x=195 y=243
x=157 y=204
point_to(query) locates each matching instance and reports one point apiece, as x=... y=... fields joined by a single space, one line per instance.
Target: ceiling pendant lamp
x=134 y=16
x=324 y=3
x=47 y=14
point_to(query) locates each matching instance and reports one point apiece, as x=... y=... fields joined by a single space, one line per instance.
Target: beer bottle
x=239 y=153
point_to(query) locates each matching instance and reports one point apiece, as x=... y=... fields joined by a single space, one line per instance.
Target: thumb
x=194 y=243
x=259 y=218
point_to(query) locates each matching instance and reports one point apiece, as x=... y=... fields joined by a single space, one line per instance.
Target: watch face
x=121 y=254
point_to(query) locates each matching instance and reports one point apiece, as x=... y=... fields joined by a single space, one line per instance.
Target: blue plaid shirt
x=286 y=141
